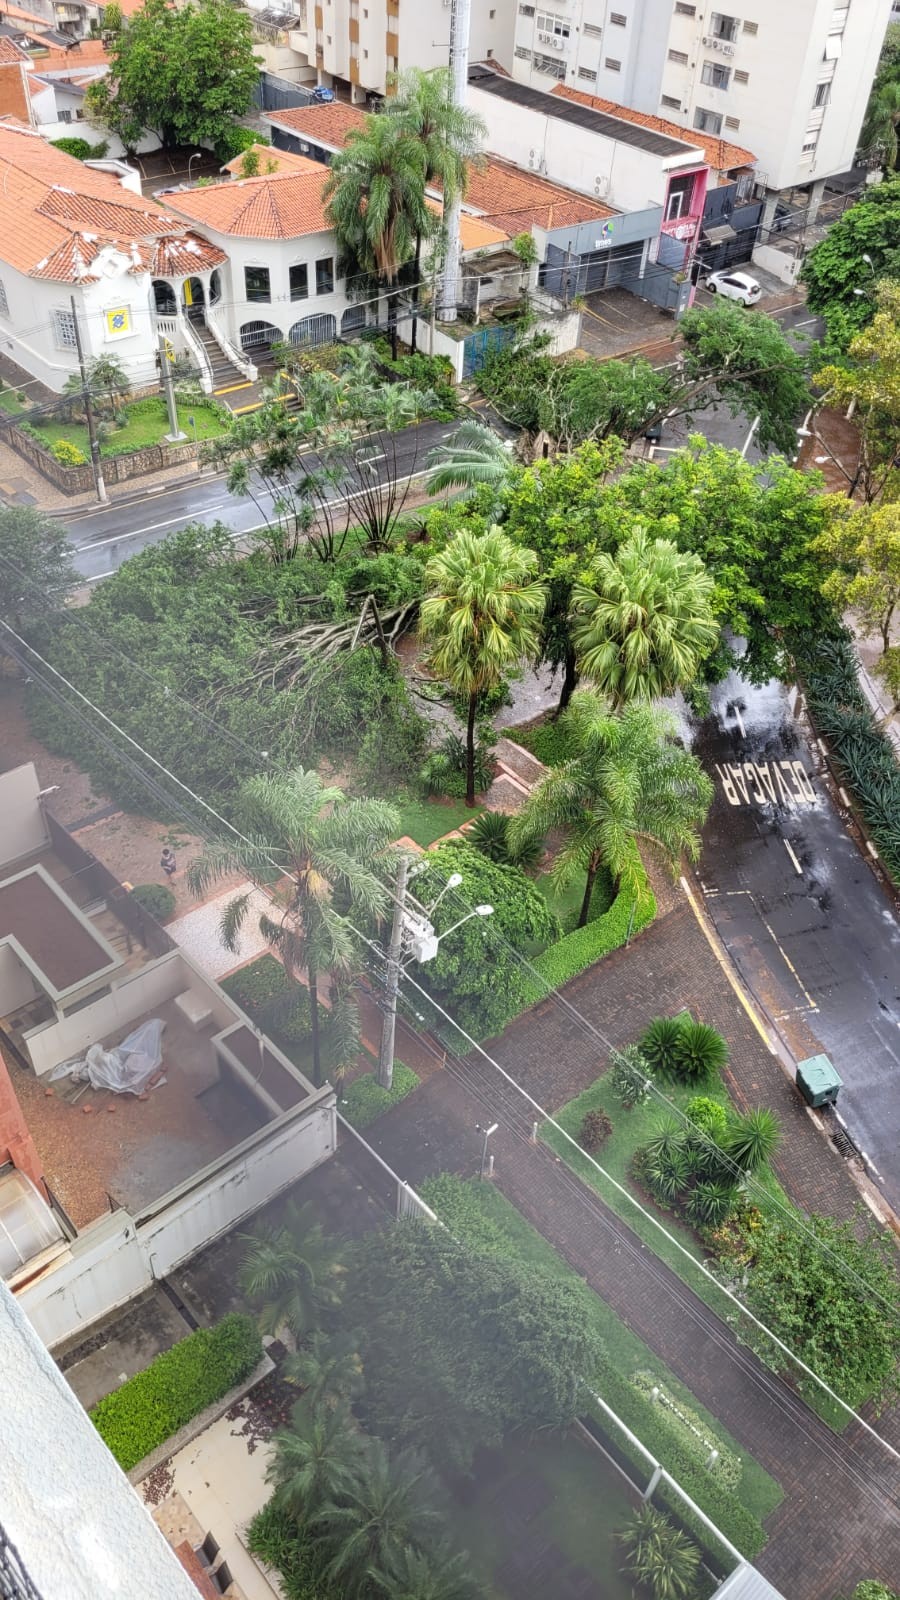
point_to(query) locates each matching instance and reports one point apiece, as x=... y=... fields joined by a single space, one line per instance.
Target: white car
x=734 y=286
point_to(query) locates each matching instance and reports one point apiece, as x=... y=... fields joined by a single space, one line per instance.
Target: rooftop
x=583 y=116
x=10 y=53
x=283 y=206
x=272 y=161
x=58 y=945
x=326 y=125
x=514 y=200
x=721 y=154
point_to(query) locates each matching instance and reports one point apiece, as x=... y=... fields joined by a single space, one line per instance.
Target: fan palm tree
x=751 y=1140
x=293 y=1273
x=644 y=620
x=320 y=1458
x=375 y=202
x=482 y=617
x=388 y=1509
x=449 y=135
x=316 y=844
x=626 y=780
x=471 y=456
x=433 y=1574
x=879 y=131
x=329 y=1371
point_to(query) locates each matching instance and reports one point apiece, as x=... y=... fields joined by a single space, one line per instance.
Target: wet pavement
x=808 y=925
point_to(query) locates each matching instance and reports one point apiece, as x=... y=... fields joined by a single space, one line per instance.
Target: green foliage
x=690 y=1428
x=292 y=1273
x=684 y=1050
x=82 y=149
x=444 y=769
x=627 y=915
x=835 y=267
x=549 y=741
x=365 y=1099
x=627 y=1077
x=154 y=898
x=432 y=374
x=36 y=569
x=460 y=1350
x=474 y=975
x=863 y=751
x=660 y=1556
x=751 y=365
x=273 y=1537
x=752 y=1139
x=180 y=1383
x=234 y=140
x=595 y=1130
x=490 y=834
x=709 y=1116
x=525 y=248
x=183 y=73
x=659 y=1043
x=279 y=1005
x=836 y=1305
x=870 y=1589
x=68 y=454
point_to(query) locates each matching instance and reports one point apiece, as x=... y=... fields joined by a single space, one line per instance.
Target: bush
x=689 y=1427
x=146 y=1410
x=627 y=1077
x=68 y=454
x=274 y=1537
x=81 y=149
x=155 y=899
x=708 y=1115
x=569 y=956
x=278 y=1004
x=658 y=1044
x=444 y=770
x=595 y=1130
x=684 y=1050
x=660 y=1556
x=365 y=1099
x=235 y=140
x=490 y=834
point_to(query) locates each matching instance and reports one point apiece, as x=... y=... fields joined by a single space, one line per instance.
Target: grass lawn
x=567 y=902
x=480 y=1214
x=426 y=820
x=9 y=401
x=546 y=740
x=630 y=1130
x=147 y=423
x=588 y=1503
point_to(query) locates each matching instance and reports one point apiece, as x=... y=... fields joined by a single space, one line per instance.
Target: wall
x=152 y=986
x=28 y=334
x=105 y=1268
x=782 y=264
x=116 y=469
x=278 y=255
x=17 y=986
x=24 y=829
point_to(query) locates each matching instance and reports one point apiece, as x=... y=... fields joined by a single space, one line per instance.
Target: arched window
x=353 y=321
x=215 y=286
x=164 y=298
x=259 y=336
x=321 y=329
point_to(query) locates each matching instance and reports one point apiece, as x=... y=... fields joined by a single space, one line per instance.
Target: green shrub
x=490 y=834
x=146 y=1410
x=365 y=1099
x=235 y=140
x=691 y=1430
x=870 y=1589
x=661 y=1557
x=155 y=899
x=628 y=1077
x=275 y=1537
x=700 y=1053
x=708 y=1115
x=595 y=1130
x=68 y=454
x=277 y=1003
x=444 y=770
x=658 y=1044
x=578 y=950
x=81 y=149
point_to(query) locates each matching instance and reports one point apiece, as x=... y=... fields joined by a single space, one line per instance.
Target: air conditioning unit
x=727 y=49
x=545 y=38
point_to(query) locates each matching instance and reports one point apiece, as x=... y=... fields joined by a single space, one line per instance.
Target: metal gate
x=312 y=331
x=274 y=94
x=478 y=346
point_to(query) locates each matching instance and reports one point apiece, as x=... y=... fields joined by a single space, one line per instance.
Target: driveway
x=806 y=922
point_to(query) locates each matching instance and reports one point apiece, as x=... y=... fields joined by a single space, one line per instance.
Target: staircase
x=230 y=386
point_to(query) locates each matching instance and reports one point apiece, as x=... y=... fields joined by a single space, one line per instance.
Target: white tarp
x=125 y=1069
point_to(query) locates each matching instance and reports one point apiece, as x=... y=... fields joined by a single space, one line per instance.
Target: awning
x=720 y=234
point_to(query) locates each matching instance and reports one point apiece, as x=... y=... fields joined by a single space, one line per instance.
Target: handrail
x=230 y=351
x=197 y=350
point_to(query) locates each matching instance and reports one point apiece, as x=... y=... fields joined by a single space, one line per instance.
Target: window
x=742 y=77
x=810 y=142
x=550 y=66
x=722 y=27
x=256 y=283
x=618 y=19
x=751 y=27
x=65 y=116
x=682 y=10
x=839 y=19
x=526 y=11
x=4 y=303
x=591 y=30
x=820 y=98
x=557 y=27
x=299 y=279
x=714 y=76
x=707 y=121
x=611 y=65
x=587 y=75
x=670 y=101
x=325 y=275
x=521 y=53
x=680 y=57
x=732 y=122
x=64 y=330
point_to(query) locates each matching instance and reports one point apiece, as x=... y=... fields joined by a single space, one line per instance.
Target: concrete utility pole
x=392 y=979
x=460 y=20
x=99 y=484
x=165 y=377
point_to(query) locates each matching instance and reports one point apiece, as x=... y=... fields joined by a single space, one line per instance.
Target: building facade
x=789 y=81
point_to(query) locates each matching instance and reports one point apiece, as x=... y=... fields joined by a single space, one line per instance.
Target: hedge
x=154 y=898
x=365 y=1099
x=691 y=1431
x=578 y=950
x=146 y=1410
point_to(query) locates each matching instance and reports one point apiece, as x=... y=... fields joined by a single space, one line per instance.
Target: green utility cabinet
x=818 y=1082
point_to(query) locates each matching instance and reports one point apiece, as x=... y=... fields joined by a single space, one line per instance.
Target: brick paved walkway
x=841 y=1517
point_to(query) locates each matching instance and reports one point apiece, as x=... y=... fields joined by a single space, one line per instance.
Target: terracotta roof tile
x=328 y=125
x=10 y=54
x=284 y=161
x=720 y=154
x=86 y=53
x=284 y=206
x=513 y=199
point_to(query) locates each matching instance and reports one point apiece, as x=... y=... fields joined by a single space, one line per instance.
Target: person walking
x=168 y=863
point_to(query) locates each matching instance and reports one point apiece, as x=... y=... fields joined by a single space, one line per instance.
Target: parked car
x=734 y=286
x=323 y=96
x=784 y=218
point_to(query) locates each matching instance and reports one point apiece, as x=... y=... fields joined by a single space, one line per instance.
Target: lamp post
x=487 y=1134
x=195 y=157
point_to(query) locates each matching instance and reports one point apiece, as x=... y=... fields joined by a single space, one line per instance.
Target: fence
x=275 y=94
x=394 y=1192
x=116 y=469
x=99 y=884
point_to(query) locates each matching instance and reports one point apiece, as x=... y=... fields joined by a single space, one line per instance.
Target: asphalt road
x=802 y=915
x=105 y=536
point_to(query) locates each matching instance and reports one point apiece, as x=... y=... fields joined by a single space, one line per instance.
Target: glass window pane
x=299 y=277
x=325 y=275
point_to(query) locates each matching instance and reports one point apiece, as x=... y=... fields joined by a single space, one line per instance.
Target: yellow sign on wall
x=118 y=322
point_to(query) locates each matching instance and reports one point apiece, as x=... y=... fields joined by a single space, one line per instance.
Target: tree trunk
x=392 y=325
x=413 y=345
x=570 y=681
x=312 y=979
x=588 y=890
x=470 y=751
x=886 y=630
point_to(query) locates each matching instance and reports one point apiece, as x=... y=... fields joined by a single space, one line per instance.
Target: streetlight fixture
x=195 y=157
x=487 y=1134
x=479 y=911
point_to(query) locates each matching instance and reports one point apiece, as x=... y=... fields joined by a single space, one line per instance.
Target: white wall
x=17 y=986
x=70 y=1036
x=105 y=1268
x=28 y=335
x=24 y=830
x=278 y=255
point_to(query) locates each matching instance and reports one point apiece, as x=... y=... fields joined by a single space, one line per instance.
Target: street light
x=487 y=1134
x=479 y=911
x=195 y=157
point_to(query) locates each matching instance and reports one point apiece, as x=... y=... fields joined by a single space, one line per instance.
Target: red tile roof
x=279 y=161
x=284 y=206
x=85 y=53
x=514 y=200
x=57 y=215
x=10 y=54
x=327 y=125
x=720 y=154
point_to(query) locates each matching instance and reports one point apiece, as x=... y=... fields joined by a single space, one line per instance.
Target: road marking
x=740 y=723
x=755 y=783
x=797 y=867
x=719 y=949
x=153 y=527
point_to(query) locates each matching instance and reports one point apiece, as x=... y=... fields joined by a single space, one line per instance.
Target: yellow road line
x=234 y=387
x=725 y=964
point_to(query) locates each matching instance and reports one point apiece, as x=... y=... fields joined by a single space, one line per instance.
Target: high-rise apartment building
x=787 y=78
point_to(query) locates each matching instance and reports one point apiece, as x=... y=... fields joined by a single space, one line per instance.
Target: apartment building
x=790 y=81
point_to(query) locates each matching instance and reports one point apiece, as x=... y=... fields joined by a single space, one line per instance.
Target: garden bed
x=365 y=1099
x=146 y=423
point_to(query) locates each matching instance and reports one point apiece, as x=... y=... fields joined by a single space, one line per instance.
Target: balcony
x=392 y=43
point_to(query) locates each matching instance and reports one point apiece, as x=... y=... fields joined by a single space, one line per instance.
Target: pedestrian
x=168 y=863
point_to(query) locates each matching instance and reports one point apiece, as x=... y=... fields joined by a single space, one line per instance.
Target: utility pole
x=165 y=377
x=392 y=979
x=99 y=485
x=460 y=20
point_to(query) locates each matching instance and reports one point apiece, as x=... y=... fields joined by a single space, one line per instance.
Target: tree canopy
x=36 y=568
x=865 y=550
x=869 y=379
x=181 y=72
x=836 y=267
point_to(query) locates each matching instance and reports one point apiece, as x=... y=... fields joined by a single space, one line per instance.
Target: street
x=802 y=915
x=105 y=536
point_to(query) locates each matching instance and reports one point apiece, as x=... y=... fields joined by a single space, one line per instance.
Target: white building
x=789 y=80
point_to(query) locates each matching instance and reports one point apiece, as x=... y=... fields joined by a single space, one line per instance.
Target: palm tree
x=471 y=456
x=645 y=620
x=626 y=780
x=879 y=131
x=388 y=1509
x=482 y=617
x=375 y=202
x=316 y=843
x=433 y=1574
x=292 y=1272
x=329 y=1371
x=660 y=1555
x=320 y=1458
x=449 y=135
x=752 y=1139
